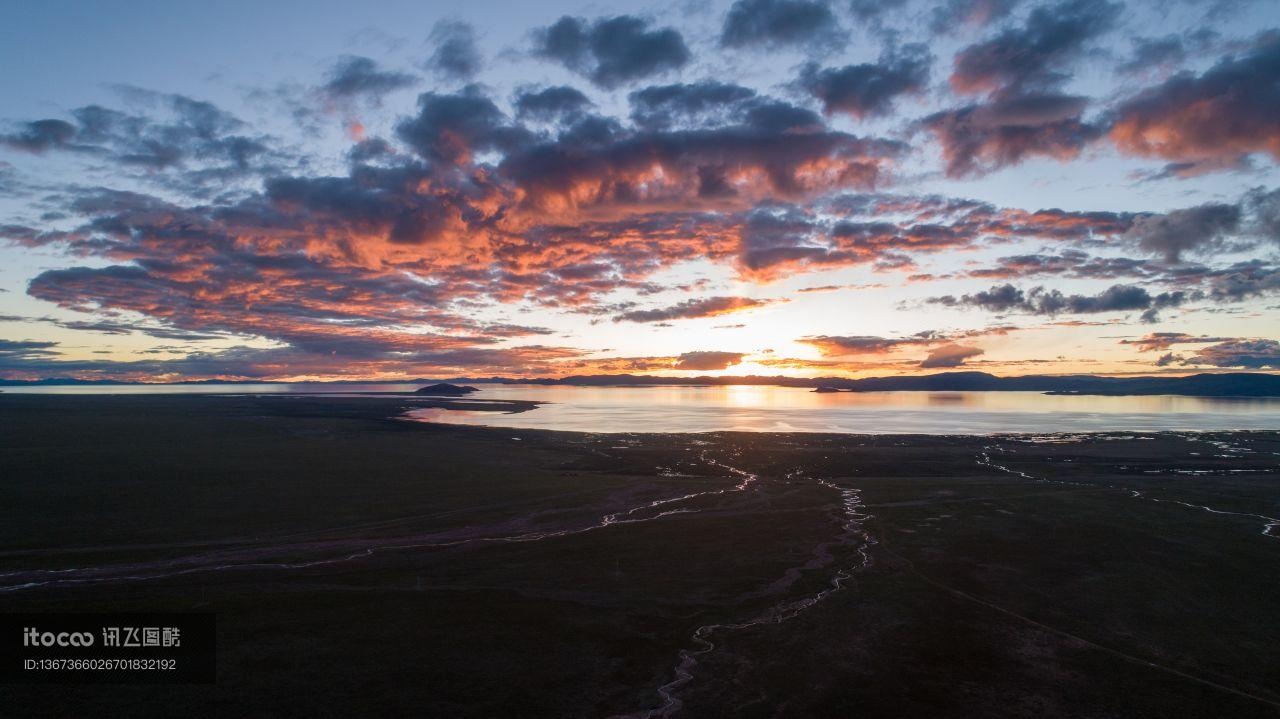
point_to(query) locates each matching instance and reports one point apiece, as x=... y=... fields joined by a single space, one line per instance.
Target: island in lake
x=445 y=389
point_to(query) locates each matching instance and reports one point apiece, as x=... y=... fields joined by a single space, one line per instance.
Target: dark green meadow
x=361 y=565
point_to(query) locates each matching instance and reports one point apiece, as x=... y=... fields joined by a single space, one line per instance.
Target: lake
x=788 y=409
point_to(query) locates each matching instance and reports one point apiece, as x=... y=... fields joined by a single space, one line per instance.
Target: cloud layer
x=441 y=210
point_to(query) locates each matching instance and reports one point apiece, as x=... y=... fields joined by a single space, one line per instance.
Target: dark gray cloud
x=1241 y=353
x=701 y=104
x=1020 y=70
x=710 y=104
x=1154 y=341
x=781 y=117
x=1262 y=212
x=456 y=55
x=1067 y=263
x=1041 y=301
x=1194 y=229
x=707 y=361
x=449 y=127
x=873 y=11
x=1237 y=282
x=775 y=235
x=1036 y=55
x=869 y=89
x=40 y=136
x=981 y=138
x=1000 y=298
x=117 y=327
x=953 y=15
x=353 y=77
x=559 y=104
x=688 y=309
x=185 y=144
x=369 y=150
x=20 y=350
x=844 y=345
x=779 y=236
x=770 y=24
x=1161 y=55
x=612 y=51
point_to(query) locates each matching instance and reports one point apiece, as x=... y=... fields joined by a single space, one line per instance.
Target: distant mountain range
x=1235 y=384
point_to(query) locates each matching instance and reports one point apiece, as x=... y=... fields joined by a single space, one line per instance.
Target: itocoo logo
x=32 y=637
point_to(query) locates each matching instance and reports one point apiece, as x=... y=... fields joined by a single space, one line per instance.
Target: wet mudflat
x=361 y=565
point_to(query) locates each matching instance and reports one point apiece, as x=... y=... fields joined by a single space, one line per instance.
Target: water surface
x=790 y=409
x=785 y=409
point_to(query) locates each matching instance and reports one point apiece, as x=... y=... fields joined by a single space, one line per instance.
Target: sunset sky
x=317 y=190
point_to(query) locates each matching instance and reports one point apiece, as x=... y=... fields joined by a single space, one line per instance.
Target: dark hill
x=445 y=389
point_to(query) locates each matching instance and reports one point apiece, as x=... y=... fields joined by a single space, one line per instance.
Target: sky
x=386 y=190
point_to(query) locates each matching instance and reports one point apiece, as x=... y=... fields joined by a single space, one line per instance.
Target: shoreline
x=396 y=407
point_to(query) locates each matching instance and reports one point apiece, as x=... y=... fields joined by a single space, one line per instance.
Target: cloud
x=869 y=89
x=857 y=345
x=707 y=361
x=953 y=15
x=873 y=11
x=118 y=327
x=378 y=269
x=1263 y=210
x=1041 y=301
x=1211 y=121
x=1242 y=353
x=771 y=24
x=354 y=77
x=1154 y=341
x=612 y=51
x=402 y=253
x=452 y=127
x=1236 y=282
x=182 y=143
x=951 y=355
x=702 y=104
x=688 y=309
x=12 y=350
x=559 y=104
x=1067 y=263
x=596 y=163
x=1162 y=55
x=1000 y=298
x=40 y=136
x=834 y=288
x=250 y=363
x=456 y=55
x=1020 y=72
x=777 y=237
x=843 y=346
x=1194 y=229
x=1034 y=56
x=981 y=138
